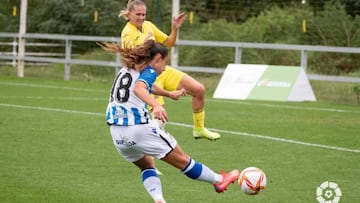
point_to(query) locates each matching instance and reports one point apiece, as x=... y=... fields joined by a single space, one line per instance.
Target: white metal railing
x=238 y=47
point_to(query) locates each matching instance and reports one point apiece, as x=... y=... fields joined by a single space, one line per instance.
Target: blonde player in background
x=136 y=31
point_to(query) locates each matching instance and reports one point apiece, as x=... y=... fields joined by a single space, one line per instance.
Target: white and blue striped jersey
x=124 y=107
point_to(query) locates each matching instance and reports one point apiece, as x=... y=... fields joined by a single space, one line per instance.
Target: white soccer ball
x=252 y=180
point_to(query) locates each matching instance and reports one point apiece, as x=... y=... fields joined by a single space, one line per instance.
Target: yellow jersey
x=131 y=36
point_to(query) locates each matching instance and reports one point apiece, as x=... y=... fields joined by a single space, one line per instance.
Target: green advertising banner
x=275 y=84
x=264 y=82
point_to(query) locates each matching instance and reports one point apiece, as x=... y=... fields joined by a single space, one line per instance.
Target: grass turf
x=56 y=147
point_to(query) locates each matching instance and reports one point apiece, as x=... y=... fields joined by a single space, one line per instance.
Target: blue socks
x=199 y=171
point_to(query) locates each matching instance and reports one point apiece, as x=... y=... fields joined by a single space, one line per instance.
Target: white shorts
x=136 y=141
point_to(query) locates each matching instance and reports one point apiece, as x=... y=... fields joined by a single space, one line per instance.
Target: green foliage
x=8 y=22
x=65 y=17
x=159 y=12
x=335 y=92
x=94 y=73
x=334 y=27
x=273 y=26
x=329 y=22
x=208 y=56
x=356 y=90
x=238 y=12
x=331 y=26
x=333 y=63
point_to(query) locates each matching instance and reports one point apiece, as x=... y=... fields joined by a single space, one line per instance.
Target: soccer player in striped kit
x=135 y=135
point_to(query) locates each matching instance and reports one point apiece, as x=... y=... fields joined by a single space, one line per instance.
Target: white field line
x=55 y=98
x=50 y=87
x=286 y=106
x=273 y=138
x=208 y=100
x=190 y=126
x=280 y=106
x=51 y=109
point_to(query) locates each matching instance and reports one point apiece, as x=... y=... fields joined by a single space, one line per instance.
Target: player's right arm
x=176 y=23
x=142 y=92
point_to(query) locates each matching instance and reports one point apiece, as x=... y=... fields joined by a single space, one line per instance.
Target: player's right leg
x=199 y=171
x=150 y=178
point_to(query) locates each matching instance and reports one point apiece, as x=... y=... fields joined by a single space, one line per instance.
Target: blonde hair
x=130 y=6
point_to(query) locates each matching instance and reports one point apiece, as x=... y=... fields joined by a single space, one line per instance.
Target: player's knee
x=198 y=90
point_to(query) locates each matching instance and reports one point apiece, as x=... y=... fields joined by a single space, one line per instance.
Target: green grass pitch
x=56 y=147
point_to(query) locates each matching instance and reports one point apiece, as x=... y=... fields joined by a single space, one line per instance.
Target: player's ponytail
x=139 y=56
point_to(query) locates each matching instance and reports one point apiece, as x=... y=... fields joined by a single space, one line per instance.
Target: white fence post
x=238 y=54
x=304 y=59
x=22 y=31
x=117 y=63
x=67 y=68
x=175 y=49
x=14 y=52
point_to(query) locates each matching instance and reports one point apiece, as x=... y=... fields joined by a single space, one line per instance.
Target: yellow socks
x=199 y=119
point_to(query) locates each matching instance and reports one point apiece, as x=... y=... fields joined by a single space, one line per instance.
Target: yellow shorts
x=168 y=80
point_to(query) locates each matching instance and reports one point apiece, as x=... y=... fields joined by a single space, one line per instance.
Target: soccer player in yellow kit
x=136 y=31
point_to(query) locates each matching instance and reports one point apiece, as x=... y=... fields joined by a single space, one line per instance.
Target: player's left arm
x=175 y=95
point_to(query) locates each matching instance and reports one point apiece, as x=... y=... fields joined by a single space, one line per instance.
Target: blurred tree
x=352 y=6
x=77 y=16
x=334 y=27
x=73 y=17
x=8 y=21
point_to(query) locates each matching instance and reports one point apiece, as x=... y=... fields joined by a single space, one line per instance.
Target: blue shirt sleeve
x=148 y=75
